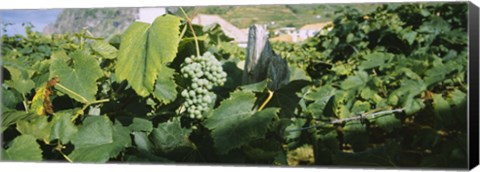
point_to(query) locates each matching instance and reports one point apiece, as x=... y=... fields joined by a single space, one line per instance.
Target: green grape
x=191 y=93
x=204 y=72
x=194 y=85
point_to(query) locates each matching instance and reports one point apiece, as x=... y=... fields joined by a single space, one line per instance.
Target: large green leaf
x=235 y=115
x=442 y=110
x=97 y=140
x=10 y=98
x=387 y=122
x=20 y=80
x=11 y=117
x=144 y=49
x=79 y=80
x=170 y=135
x=375 y=60
x=23 y=148
x=256 y=87
x=293 y=131
x=287 y=98
x=412 y=105
x=39 y=127
x=298 y=74
x=62 y=126
x=437 y=73
x=360 y=107
x=165 y=85
x=342 y=69
x=356 y=81
x=140 y=124
x=321 y=97
x=104 y=49
x=458 y=100
x=142 y=141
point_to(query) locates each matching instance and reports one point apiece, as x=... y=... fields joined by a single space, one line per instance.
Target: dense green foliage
x=84 y=99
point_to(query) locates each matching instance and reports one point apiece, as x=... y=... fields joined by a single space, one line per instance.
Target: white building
x=310 y=30
x=238 y=35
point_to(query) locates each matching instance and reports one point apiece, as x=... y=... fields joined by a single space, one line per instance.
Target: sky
x=38 y=18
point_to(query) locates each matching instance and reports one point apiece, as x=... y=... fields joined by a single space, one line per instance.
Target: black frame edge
x=473 y=46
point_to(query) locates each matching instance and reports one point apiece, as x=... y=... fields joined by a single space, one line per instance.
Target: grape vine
x=384 y=88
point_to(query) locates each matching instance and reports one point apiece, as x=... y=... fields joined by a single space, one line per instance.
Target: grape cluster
x=204 y=72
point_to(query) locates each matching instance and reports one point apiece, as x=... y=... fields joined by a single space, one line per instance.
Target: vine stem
x=65 y=156
x=335 y=121
x=25 y=104
x=86 y=106
x=182 y=33
x=270 y=95
x=72 y=92
x=59 y=148
x=189 y=22
x=87 y=103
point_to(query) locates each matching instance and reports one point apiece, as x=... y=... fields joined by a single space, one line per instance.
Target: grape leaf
x=442 y=110
x=165 y=87
x=140 y=124
x=458 y=100
x=142 y=141
x=295 y=124
x=387 y=122
x=409 y=36
x=359 y=80
x=374 y=60
x=23 y=148
x=20 y=80
x=255 y=87
x=10 y=99
x=412 y=105
x=144 y=49
x=235 y=115
x=458 y=97
x=410 y=88
x=286 y=98
x=97 y=140
x=321 y=97
x=360 y=107
x=12 y=117
x=437 y=73
x=79 y=81
x=436 y=26
x=39 y=127
x=104 y=49
x=38 y=100
x=62 y=126
x=170 y=135
x=298 y=74
x=342 y=69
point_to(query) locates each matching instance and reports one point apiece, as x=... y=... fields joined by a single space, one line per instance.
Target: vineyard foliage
x=79 y=98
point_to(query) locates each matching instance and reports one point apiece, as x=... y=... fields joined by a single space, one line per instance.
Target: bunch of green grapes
x=204 y=72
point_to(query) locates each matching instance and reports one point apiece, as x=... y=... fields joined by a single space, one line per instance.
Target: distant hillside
x=279 y=15
x=104 y=22
x=101 y=22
